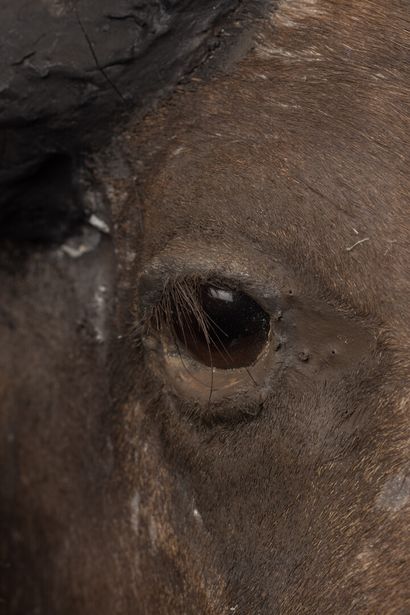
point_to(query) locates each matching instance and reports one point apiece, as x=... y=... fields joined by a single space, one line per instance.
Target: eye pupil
x=235 y=332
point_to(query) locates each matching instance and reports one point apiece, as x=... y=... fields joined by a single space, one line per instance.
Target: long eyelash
x=180 y=304
x=188 y=302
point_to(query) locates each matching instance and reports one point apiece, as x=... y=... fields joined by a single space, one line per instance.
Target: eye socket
x=216 y=325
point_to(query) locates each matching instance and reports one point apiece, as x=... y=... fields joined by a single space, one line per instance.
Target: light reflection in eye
x=221 y=294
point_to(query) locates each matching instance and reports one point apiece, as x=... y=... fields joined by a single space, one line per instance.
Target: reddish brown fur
x=266 y=175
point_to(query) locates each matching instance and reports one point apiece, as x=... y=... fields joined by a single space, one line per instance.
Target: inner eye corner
x=213 y=322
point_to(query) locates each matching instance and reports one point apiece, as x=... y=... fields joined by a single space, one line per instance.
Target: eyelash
x=217 y=325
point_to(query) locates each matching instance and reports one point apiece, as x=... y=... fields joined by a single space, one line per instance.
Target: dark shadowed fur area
x=41 y=203
x=247 y=450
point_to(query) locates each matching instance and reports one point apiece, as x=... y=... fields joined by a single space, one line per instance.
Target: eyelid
x=185 y=376
x=152 y=284
x=241 y=269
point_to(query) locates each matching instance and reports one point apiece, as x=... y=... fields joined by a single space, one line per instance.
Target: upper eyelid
x=238 y=267
x=152 y=283
x=267 y=278
x=272 y=295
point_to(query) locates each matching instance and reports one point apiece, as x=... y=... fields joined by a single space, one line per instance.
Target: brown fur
x=294 y=498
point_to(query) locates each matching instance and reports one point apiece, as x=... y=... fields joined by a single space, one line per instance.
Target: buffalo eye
x=218 y=326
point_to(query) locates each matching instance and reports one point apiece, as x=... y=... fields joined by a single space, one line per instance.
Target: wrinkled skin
x=288 y=492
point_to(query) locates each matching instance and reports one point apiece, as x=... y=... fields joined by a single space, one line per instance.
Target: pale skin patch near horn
x=395 y=493
x=57 y=8
x=135 y=505
x=366 y=557
x=291 y=14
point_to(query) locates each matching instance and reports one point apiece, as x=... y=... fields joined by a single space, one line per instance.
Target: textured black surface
x=66 y=68
x=69 y=72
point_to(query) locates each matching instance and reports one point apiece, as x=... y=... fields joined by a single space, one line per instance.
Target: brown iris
x=218 y=326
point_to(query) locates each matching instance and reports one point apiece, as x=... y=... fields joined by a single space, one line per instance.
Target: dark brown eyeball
x=226 y=329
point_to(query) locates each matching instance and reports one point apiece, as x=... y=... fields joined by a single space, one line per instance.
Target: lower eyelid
x=183 y=376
